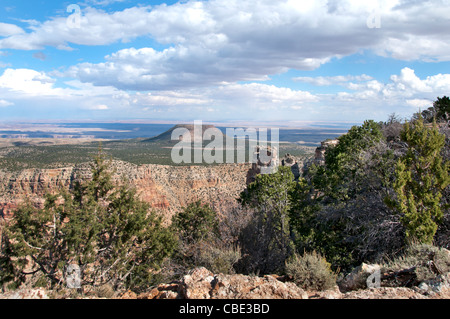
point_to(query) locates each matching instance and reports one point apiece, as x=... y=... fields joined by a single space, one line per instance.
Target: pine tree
x=421 y=177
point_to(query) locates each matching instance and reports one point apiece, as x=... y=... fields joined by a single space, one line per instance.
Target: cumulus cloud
x=362 y=97
x=254 y=96
x=96 y=28
x=28 y=82
x=30 y=88
x=404 y=89
x=211 y=42
x=26 y=85
x=406 y=85
x=419 y=103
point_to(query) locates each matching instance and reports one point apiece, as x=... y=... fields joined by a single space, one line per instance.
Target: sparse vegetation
x=135 y=151
x=427 y=261
x=383 y=186
x=311 y=271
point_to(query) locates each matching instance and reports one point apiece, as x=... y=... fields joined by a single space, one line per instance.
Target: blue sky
x=287 y=60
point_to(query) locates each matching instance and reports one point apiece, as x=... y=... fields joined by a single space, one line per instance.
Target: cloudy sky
x=222 y=60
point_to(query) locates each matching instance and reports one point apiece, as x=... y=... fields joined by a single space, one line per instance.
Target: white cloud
x=364 y=97
x=403 y=91
x=406 y=85
x=7 y=29
x=420 y=103
x=96 y=28
x=100 y=107
x=28 y=81
x=4 y=103
x=30 y=88
x=410 y=81
x=333 y=80
x=210 y=42
x=261 y=96
x=253 y=96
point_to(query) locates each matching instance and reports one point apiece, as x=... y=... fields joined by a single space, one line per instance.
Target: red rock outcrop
x=165 y=188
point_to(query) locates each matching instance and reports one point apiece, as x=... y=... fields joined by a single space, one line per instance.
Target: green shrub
x=311 y=271
x=195 y=223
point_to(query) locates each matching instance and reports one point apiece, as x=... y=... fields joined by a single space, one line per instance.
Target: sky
x=216 y=60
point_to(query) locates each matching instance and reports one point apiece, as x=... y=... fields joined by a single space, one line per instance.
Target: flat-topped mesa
x=184 y=130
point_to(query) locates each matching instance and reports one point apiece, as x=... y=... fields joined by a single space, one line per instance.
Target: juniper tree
x=201 y=241
x=266 y=240
x=421 y=177
x=196 y=222
x=104 y=229
x=440 y=111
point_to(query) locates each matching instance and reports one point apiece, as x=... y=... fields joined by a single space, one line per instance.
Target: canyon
x=166 y=188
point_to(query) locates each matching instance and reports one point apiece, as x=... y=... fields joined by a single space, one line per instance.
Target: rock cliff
x=165 y=188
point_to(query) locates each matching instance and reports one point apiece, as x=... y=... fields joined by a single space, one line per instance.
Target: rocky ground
x=203 y=284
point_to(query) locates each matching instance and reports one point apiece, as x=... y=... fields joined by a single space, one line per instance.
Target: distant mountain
x=166 y=137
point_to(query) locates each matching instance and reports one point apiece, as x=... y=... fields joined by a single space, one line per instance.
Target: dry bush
x=311 y=271
x=427 y=261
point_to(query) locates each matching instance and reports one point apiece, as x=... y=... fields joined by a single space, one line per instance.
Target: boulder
x=200 y=283
x=197 y=284
x=440 y=284
x=359 y=277
x=253 y=287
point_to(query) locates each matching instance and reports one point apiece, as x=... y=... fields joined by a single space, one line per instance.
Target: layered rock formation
x=166 y=188
x=319 y=157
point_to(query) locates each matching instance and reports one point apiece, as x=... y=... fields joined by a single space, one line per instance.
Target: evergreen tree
x=197 y=229
x=266 y=241
x=195 y=223
x=421 y=177
x=440 y=111
x=104 y=229
x=336 y=180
